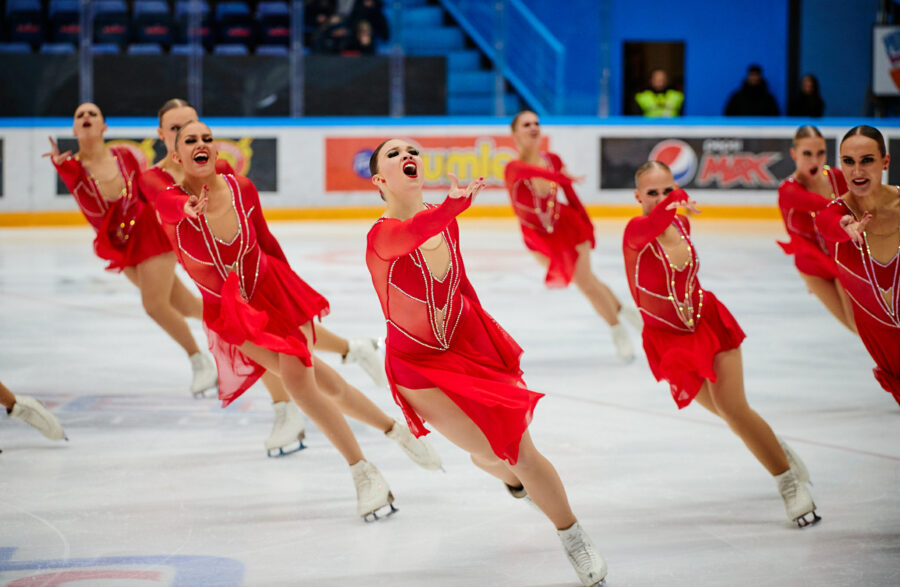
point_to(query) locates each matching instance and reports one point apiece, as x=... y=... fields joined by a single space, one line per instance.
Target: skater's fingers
x=454 y=184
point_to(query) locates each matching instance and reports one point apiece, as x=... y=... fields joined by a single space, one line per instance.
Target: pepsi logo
x=361 y=163
x=680 y=158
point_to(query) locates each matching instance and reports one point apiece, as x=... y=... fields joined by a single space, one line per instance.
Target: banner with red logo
x=701 y=162
x=252 y=157
x=886 y=60
x=469 y=157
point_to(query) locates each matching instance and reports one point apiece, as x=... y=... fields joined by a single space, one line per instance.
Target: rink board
x=318 y=168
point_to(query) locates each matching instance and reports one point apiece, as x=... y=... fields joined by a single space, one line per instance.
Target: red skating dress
x=685 y=326
x=549 y=227
x=250 y=293
x=874 y=289
x=127 y=232
x=468 y=355
x=799 y=207
x=155 y=180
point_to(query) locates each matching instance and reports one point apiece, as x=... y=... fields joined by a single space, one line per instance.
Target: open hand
x=573 y=178
x=54 y=153
x=691 y=205
x=471 y=190
x=854 y=228
x=196 y=205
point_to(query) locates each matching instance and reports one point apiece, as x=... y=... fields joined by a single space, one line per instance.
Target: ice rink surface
x=157 y=488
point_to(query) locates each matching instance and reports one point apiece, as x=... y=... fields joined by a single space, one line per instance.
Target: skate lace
x=580 y=552
x=788 y=489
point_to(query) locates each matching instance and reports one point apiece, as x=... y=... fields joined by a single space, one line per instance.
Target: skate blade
x=286 y=450
x=374 y=516
x=808 y=519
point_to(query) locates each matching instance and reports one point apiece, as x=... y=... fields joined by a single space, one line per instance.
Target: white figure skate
x=364 y=352
x=372 y=492
x=583 y=555
x=35 y=414
x=632 y=316
x=205 y=376
x=418 y=450
x=623 y=342
x=288 y=430
x=795 y=462
x=798 y=502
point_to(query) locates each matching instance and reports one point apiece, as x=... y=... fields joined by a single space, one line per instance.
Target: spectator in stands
x=808 y=101
x=332 y=36
x=362 y=43
x=371 y=11
x=660 y=100
x=754 y=97
x=315 y=14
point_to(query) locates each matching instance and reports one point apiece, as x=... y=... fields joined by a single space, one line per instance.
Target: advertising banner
x=252 y=157
x=701 y=162
x=469 y=157
x=886 y=61
x=1 y=167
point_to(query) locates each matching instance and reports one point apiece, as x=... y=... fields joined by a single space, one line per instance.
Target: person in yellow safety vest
x=659 y=100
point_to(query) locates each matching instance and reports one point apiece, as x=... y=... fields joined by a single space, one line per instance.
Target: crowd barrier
x=318 y=168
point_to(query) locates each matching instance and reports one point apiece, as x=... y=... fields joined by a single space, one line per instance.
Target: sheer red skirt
x=809 y=258
x=883 y=343
x=146 y=239
x=571 y=229
x=685 y=360
x=281 y=304
x=480 y=373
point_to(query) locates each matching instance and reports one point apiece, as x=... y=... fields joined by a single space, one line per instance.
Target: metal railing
x=522 y=49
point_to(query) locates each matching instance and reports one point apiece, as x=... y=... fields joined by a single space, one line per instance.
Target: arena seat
x=234 y=24
x=152 y=22
x=230 y=49
x=182 y=21
x=111 y=22
x=274 y=21
x=15 y=48
x=64 y=21
x=57 y=48
x=144 y=49
x=24 y=21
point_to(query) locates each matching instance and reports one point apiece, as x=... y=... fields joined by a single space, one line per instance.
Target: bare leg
x=832 y=296
x=351 y=401
x=7 y=399
x=275 y=387
x=533 y=471
x=543 y=484
x=154 y=278
x=181 y=298
x=726 y=399
x=604 y=301
x=598 y=294
x=300 y=382
x=847 y=304
x=329 y=342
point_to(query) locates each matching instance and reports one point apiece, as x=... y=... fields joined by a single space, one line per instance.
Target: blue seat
x=58 y=48
x=106 y=49
x=274 y=22
x=234 y=24
x=182 y=22
x=64 y=24
x=111 y=22
x=182 y=49
x=25 y=21
x=432 y=41
x=144 y=49
x=15 y=48
x=230 y=49
x=152 y=22
x=277 y=50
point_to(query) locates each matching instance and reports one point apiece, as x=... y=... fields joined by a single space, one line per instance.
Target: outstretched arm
x=796 y=196
x=643 y=229
x=173 y=204
x=837 y=226
x=392 y=238
x=517 y=170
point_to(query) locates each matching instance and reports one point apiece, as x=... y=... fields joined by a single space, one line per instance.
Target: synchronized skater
x=104 y=182
x=560 y=234
x=449 y=363
x=259 y=314
x=691 y=339
x=801 y=196
x=862 y=231
x=288 y=428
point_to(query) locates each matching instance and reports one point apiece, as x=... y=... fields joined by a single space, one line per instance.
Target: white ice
x=157 y=488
